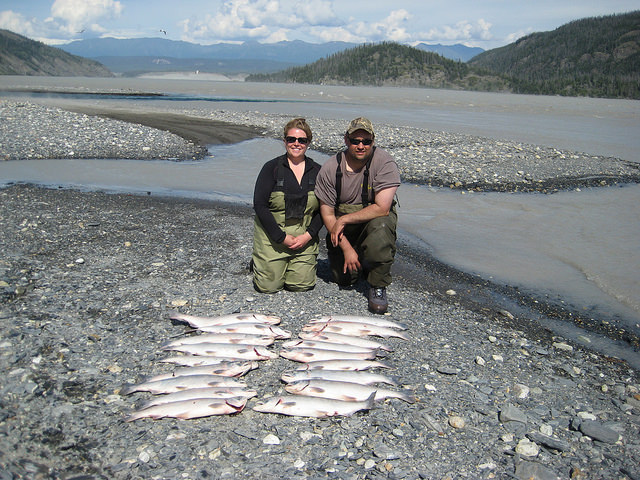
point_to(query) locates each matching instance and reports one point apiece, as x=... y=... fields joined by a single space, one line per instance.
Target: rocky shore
x=88 y=281
x=425 y=157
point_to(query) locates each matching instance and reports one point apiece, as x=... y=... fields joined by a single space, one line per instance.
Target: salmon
x=247 y=352
x=249 y=328
x=356 y=365
x=322 y=345
x=195 y=408
x=175 y=384
x=193 y=393
x=354 y=328
x=347 y=391
x=226 y=369
x=245 y=338
x=316 y=354
x=344 y=339
x=248 y=317
x=380 y=322
x=301 y=406
x=352 y=376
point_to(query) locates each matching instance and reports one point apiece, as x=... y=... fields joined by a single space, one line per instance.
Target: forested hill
x=22 y=56
x=388 y=64
x=598 y=57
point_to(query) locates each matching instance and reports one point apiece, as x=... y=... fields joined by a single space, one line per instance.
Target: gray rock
x=599 y=432
x=510 y=413
x=549 y=442
x=534 y=471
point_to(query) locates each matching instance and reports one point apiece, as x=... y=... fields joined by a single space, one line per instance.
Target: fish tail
x=369 y=402
x=128 y=389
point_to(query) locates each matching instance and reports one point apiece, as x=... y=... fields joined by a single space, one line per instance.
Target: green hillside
x=598 y=57
x=22 y=56
x=389 y=64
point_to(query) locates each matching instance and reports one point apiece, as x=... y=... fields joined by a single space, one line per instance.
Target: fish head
x=274 y=405
x=288 y=377
x=296 y=387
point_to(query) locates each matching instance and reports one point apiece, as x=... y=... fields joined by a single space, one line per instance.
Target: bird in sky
x=163 y=31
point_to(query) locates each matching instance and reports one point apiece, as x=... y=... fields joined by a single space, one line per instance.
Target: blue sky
x=477 y=23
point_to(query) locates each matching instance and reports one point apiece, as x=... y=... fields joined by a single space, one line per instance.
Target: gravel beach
x=88 y=281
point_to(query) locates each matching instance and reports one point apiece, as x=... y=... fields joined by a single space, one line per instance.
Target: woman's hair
x=300 y=123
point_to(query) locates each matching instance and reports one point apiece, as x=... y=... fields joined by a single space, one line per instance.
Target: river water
x=579 y=247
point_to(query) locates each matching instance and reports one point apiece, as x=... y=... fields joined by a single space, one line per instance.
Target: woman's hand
x=296 y=243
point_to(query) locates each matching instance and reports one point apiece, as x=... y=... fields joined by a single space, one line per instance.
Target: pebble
x=99 y=326
x=527 y=448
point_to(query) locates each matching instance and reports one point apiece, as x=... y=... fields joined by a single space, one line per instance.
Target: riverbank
x=461 y=162
x=88 y=281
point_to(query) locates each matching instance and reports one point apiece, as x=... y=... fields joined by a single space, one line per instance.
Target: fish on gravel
x=316 y=354
x=354 y=328
x=175 y=384
x=380 y=322
x=345 y=365
x=348 y=392
x=345 y=340
x=228 y=369
x=193 y=393
x=298 y=405
x=352 y=376
x=246 y=352
x=244 y=338
x=199 y=360
x=249 y=328
x=247 y=317
x=297 y=343
x=195 y=408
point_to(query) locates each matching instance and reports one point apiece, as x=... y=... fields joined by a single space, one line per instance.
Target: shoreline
x=88 y=282
x=196 y=131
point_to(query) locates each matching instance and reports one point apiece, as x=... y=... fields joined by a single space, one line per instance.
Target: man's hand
x=336 y=231
x=351 y=261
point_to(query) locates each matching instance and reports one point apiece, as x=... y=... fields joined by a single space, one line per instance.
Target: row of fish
x=336 y=376
x=205 y=379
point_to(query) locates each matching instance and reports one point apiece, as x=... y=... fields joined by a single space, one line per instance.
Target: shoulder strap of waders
x=365 y=183
x=279 y=176
x=338 y=183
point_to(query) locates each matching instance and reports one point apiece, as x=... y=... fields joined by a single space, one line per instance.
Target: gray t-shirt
x=383 y=173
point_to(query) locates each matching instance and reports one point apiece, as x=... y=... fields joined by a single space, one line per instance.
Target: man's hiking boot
x=378 y=300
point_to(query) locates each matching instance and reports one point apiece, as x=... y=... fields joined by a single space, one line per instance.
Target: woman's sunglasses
x=300 y=140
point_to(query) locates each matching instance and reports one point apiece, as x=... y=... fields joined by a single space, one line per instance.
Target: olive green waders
x=275 y=266
x=375 y=242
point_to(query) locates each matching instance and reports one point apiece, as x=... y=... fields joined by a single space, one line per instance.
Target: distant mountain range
x=596 y=57
x=135 y=56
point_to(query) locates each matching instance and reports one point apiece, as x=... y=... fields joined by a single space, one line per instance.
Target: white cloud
x=335 y=34
x=264 y=20
x=462 y=32
x=73 y=16
x=17 y=23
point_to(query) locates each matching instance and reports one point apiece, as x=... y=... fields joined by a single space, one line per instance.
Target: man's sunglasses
x=300 y=140
x=358 y=141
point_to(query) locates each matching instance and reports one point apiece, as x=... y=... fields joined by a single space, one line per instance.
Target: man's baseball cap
x=360 y=123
